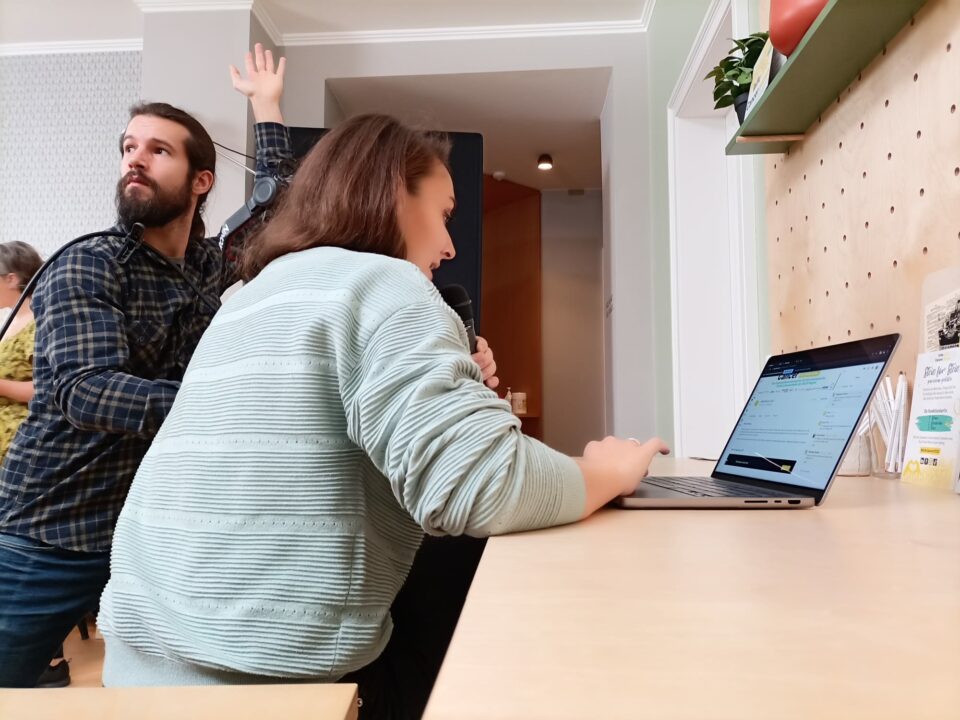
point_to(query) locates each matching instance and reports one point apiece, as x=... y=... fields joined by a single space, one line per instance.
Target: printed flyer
x=933 y=435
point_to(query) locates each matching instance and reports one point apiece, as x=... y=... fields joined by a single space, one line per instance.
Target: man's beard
x=154 y=211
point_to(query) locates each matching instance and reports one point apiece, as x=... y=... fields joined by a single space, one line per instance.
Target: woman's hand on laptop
x=613 y=467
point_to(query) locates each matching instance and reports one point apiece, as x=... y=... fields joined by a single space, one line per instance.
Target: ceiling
x=519 y=114
x=363 y=15
x=23 y=21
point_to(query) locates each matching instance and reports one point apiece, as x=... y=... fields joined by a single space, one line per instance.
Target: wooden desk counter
x=848 y=610
x=219 y=702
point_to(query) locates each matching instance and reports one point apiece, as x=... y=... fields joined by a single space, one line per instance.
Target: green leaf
x=735 y=71
x=725 y=101
x=721 y=90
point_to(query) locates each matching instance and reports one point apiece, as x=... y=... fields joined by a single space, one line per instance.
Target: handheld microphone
x=456 y=297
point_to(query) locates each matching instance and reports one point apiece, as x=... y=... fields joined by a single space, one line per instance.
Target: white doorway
x=713 y=249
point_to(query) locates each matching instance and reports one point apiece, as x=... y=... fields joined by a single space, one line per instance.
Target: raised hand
x=263 y=83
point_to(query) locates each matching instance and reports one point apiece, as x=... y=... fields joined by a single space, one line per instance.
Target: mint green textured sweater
x=331 y=414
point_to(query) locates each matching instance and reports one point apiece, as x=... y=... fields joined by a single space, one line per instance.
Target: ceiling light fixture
x=545 y=162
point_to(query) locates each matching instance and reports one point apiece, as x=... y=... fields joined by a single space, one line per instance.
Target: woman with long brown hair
x=330 y=416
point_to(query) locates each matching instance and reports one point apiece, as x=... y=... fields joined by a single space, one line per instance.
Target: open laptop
x=791 y=436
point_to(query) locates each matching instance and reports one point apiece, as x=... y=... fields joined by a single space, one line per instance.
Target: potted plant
x=733 y=75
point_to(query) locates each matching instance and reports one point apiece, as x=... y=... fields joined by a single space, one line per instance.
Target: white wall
x=571 y=230
x=673 y=27
x=606 y=132
x=712 y=253
x=625 y=156
x=61 y=117
x=33 y=21
x=185 y=59
x=625 y=164
x=705 y=387
x=333 y=113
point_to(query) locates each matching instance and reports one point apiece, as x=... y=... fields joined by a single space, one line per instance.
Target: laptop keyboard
x=708 y=487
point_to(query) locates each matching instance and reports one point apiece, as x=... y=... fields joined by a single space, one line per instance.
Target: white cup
x=519 y=403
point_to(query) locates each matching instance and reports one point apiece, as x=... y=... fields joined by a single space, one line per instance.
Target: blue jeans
x=44 y=592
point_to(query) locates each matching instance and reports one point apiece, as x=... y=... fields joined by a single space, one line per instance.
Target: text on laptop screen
x=799 y=418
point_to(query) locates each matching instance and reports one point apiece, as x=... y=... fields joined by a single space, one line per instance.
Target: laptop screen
x=803 y=411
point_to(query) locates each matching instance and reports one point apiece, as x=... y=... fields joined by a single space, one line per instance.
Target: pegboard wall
x=868 y=204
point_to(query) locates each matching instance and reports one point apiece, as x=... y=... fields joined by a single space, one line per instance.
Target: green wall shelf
x=843 y=40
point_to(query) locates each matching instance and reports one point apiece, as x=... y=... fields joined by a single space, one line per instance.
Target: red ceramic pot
x=790 y=20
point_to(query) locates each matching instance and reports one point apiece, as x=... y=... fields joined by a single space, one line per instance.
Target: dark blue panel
x=466 y=225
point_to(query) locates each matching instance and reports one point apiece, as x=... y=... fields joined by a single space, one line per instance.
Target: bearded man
x=118 y=319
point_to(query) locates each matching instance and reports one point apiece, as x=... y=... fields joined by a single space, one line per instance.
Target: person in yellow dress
x=18 y=263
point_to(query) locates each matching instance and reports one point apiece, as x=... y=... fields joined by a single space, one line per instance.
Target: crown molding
x=71 y=46
x=647 y=13
x=152 y=6
x=717 y=17
x=488 y=32
x=258 y=9
x=269 y=26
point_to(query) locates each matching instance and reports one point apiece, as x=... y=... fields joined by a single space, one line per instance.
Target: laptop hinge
x=768 y=485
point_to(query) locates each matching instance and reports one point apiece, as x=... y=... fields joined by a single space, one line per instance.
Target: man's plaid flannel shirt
x=115 y=331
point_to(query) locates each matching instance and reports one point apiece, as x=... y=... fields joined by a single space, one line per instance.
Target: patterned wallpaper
x=60 y=121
